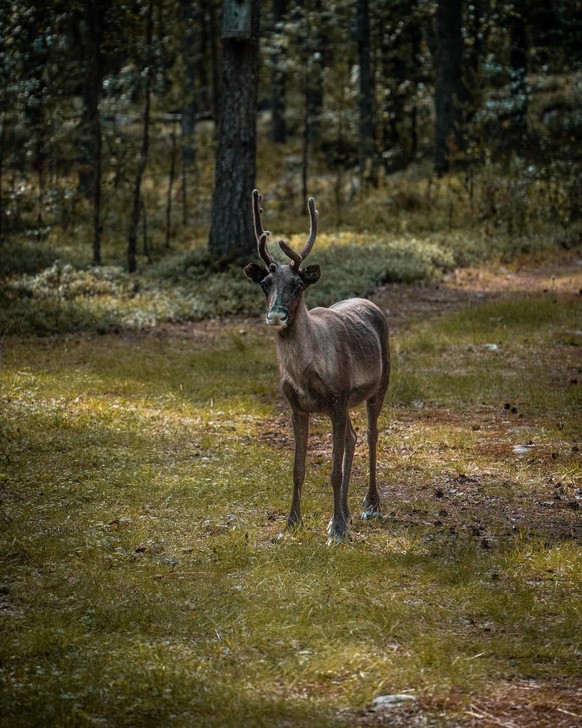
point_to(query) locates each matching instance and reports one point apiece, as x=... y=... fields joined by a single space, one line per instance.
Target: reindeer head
x=283 y=285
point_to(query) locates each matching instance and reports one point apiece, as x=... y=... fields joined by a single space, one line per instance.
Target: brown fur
x=330 y=359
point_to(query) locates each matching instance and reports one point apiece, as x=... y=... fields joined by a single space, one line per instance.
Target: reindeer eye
x=266 y=283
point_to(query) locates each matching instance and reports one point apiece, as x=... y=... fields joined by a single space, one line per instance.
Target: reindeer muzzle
x=277 y=317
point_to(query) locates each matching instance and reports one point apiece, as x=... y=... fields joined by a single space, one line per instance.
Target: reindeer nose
x=277 y=317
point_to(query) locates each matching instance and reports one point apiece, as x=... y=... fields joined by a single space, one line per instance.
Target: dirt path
x=559 y=276
x=404 y=305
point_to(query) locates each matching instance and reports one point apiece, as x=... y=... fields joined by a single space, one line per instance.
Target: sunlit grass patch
x=496 y=353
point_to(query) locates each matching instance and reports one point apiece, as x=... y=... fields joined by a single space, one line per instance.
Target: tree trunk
x=368 y=171
x=171 y=177
x=519 y=40
x=92 y=30
x=231 y=229
x=450 y=90
x=189 y=107
x=278 y=77
x=145 y=145
x=315 y=59
x=2 y=145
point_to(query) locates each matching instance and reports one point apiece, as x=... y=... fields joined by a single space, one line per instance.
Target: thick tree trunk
x=231 y=229
x=450 y=89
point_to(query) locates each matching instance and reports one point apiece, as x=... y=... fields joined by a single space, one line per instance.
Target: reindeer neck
x=295 y=344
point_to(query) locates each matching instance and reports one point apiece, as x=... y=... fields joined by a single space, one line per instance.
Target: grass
x=144 y=481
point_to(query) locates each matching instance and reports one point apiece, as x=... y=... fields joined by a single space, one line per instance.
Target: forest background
x=443 y=133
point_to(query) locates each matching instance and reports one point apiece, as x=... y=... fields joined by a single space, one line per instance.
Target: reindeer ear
x=310 y=275
x=255 y=272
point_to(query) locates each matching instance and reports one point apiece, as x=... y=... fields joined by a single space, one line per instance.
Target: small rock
x=522 y=449
x=390 y=702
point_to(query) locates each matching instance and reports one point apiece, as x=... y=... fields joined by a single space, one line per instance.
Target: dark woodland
x=143 y=121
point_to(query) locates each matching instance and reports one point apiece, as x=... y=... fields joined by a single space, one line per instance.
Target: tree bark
x=518 y=33
x=145 y=145
x=189 y=107
x=368 y=172
x=93 y=30
x=231 y=229
x=278 y=77
x=450 y=89
x=314 y=55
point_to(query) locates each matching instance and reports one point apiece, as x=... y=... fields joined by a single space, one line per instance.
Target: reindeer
x=330 y=360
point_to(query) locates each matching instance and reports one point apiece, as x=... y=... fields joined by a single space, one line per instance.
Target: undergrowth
x=192 y=286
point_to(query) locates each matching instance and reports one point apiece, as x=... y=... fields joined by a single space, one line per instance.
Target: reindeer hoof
x=337 y=538
x=370 y=513
x=337 y=532
x=293 y=525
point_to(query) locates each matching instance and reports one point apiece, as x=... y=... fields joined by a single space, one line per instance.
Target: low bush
x=192 y=285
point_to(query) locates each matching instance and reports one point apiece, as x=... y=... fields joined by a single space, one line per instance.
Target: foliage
x=44 y=156
x=144 y=479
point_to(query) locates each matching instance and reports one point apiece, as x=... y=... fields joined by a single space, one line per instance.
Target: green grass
x=144 y=481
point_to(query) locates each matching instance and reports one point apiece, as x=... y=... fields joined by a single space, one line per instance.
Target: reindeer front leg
x=338 y=527
x=300 y=431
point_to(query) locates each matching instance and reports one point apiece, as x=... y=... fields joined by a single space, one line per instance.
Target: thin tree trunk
x=144 y=228
x=305 y=148
x=313 y=52
x=97 y=193
x=171 y=177
x=2 y=145
x=278 y=77
x=231 y=229
x=519 y=63
x=143 y=155
x=90 y=171
x=215 y=58
x=450 y=90
x=368 y=172
x=189 y=108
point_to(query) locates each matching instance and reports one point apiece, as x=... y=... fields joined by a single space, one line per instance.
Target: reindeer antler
x=260 y=234
x=298 y=258
x=313 y=215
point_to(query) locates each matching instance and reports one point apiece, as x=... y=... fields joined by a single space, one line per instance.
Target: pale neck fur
x=297 y=345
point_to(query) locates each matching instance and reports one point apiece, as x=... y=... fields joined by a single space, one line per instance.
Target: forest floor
x=554 y=275
x=514 y=704
x=144 y=485
x=520 y=703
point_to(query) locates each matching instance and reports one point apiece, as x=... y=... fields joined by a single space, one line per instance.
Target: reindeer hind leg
x=372 y=499
x=351 y=439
